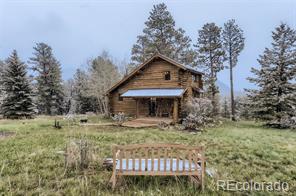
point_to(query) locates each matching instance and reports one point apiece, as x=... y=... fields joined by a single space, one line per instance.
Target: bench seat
x=162 y=165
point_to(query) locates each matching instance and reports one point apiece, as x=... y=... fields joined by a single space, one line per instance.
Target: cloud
x=46 y=24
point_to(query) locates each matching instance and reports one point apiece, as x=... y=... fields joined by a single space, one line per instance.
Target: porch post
x=137 y=108
x=175 y=110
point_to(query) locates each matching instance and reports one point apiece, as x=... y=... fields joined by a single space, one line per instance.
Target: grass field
x=242 y=151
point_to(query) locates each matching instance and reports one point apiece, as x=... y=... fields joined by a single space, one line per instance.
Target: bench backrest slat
x=120 y=154
x=174 y=156
x=165 y=158
x=171 y=159
x=190 y=159
x=146 y=159
x=152 y=159
x=178 y=161
x=133 y=159
x=158 y=161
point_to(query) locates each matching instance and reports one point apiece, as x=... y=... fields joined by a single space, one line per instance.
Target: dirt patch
x=6 y=134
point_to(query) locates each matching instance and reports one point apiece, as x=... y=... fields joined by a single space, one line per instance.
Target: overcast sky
x=78 y=30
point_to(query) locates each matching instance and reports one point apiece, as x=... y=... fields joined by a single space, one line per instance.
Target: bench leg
x=202 y=183
x=113 y=180
x=194 y=180
x=201 y=179
x=198 y=180
x=203 y=173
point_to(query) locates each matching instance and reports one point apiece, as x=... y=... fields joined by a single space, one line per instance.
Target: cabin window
x=120 y=98
x=167 y=75
x=196 y=94
x=194 y=78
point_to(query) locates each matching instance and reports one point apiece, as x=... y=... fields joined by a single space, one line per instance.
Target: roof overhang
x=200 y=90
x=154 y=92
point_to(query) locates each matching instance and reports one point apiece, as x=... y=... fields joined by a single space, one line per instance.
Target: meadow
x=31 y=162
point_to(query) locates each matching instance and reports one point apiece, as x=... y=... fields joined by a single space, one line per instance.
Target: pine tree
x=49 y=80
x=233 y=43
x=69 y=102
x=18 y=102
x=161 y=36
x=242 y=108
x=210 y=55
x=2 y=93
x=260 y=98
x=225 y=108
x=84 y=101
x=275 y=98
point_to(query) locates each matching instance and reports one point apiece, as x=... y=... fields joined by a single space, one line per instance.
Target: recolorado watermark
x=232 y=185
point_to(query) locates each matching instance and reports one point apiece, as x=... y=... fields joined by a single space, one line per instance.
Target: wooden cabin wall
x=143 y=107
x=152 y=76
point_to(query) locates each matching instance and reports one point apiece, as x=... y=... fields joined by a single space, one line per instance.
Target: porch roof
x=154 y=92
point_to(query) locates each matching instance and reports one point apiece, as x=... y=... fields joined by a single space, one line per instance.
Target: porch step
x=147 y=122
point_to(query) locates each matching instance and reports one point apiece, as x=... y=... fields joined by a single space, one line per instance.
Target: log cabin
x=160 y=87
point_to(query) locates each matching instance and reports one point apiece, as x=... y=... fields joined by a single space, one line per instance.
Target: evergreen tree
x=160 y=35
x=225 y=108
x=242 y=108
x=233 y=43
x=210 y=56
x=2 y=93
x=275 y=98
x=18 y=102
x=49 y=80
x=84 y=101
x=69 y=102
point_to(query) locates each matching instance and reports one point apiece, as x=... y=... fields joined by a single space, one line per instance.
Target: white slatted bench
x=158 y=160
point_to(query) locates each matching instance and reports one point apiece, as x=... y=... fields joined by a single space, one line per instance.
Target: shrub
x=80 y=154
x=199 y=114
x=286 y=122
x=163 y=125
x=70 y=118
x=119 y=118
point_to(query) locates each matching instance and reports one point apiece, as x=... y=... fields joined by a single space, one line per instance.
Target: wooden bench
x=158 y=160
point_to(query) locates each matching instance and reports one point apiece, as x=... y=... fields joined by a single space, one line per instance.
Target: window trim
x=119 y=97
x=194 y=78
x=167 y=74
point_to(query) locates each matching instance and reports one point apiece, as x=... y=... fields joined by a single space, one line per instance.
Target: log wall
x=151 y=76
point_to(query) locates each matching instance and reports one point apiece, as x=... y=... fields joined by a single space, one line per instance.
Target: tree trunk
x=231 y=90
x=106 y=108
x=212 y=86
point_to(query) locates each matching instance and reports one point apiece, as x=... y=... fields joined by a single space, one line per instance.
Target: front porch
x=147 y=122
x=155 y=105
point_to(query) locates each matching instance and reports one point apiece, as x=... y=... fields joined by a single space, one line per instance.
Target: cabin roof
x=154 y=92
x=156 y=56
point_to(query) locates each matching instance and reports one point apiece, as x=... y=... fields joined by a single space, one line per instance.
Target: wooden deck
x=147 y=122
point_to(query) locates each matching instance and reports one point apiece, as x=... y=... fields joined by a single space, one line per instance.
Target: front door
x=152 y=107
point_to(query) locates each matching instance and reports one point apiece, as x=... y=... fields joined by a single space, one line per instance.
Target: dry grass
x=31 y=162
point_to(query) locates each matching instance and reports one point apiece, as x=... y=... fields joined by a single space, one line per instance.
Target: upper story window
x=167 y=75
x=194 y=78
x=120 y=98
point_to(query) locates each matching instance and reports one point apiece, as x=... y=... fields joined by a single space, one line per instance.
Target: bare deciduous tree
x=103 y=74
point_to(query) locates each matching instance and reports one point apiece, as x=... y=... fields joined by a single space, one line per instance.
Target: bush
x=119 y=118
x=163 y=125
x=286 y=122
x=80 y=154
x=70 y=119
x=199 y=114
